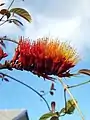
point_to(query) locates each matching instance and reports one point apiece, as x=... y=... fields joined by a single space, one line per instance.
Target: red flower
x=45 y=57
x=2 y=54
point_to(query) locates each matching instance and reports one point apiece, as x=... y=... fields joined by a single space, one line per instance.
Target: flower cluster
x=45 y=57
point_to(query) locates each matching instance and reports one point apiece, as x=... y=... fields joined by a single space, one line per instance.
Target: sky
x=67 y=20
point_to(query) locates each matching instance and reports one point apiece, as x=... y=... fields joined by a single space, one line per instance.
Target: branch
x=3 y=22
x=27 y=87
x=77 y=85
x=11 y=4
x=65 y=87
x=8 y=39
x=4 y=14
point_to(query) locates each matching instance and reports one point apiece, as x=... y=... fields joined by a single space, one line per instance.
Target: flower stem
x=68 y=91
x=65 y=99
x=27 y=87
x=77 y=85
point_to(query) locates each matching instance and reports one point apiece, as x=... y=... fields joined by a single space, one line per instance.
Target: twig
x=27 y=87
x=3 y=22
x=4 y=14
x=8 y=20
x=77 y=85
x=65 y=87
x=11 y=4
x=8 y=39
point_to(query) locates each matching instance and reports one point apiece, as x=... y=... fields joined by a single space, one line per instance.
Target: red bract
x=53 y=105
x=45 y=57
x=2 y=54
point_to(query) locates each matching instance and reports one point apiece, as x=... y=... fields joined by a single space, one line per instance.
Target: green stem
x=27 y=87
x=68 y=91
x=77 y=85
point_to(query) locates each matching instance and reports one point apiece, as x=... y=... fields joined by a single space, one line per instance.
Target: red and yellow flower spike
x=45 y=57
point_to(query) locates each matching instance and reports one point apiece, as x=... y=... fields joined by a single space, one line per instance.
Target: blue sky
x=67 y=20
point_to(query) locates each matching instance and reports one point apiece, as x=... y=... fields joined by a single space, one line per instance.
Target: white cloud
x=56 y=28
x=66 y=20
x=57 y=18
x=62 y=29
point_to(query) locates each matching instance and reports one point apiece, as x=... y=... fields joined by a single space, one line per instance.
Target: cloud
x=53 y=27
x=54 y=8
x=67 y=20
x=58 y=8
x=81 y=36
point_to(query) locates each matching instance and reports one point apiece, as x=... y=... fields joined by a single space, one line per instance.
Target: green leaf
x=47 y=115
x=22 y=12
x=84 y=71
x=70 y=106
x=5 y=12
x=69 y=109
